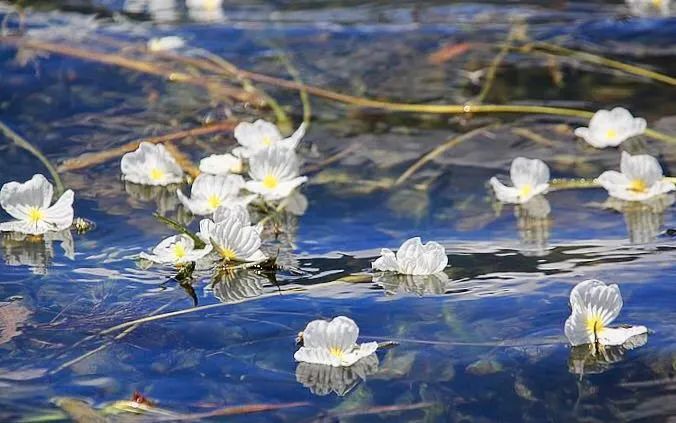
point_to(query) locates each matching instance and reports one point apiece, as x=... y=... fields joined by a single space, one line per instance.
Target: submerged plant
x=274 y=172
x=209 y=192
x=333 y=343
x=609 y=128
x=151 y=164
x=595 y=305
x=640 y=179
x=232 y=235
x=530 y=177
x=176 y=250
x=261 y=135
x=413 y=258
x=29 y=203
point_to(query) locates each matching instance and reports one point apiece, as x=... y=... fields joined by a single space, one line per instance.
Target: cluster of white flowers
x=220 y=191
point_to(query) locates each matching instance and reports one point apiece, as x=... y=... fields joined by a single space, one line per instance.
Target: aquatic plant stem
x=26 y=145
x=599 y=60
x=304 y=97
x=92 y=159
x=493 y=69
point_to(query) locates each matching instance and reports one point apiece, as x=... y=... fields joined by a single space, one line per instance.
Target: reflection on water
x=585 y=361
x=238 y=285
x=36 y=252
x=421 y=285
x=532 y=221
x=643 y=219
x=323 y=380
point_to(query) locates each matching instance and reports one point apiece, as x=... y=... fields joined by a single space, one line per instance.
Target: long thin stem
x=26 y=145
x=493 y=69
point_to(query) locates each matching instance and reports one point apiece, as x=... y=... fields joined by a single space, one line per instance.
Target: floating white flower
x=640 y=179
x=262 y=135
x=649 y=7
x=151 y=164
x=165 y=43
x=29 y=203
x=221 y=164
x=275 y=173
x=232 y=235
x=413 y=258
x=530 y=178
x=594 y=306
x=205 y=10
x=209 y=192
x=333 y=343
x=177 y=249
x=609 y=128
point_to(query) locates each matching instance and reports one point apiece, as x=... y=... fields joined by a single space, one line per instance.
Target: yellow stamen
x=638 y=185
x=657 y=3
x=179 y=251
x=594 y=324
x=267 y=141
x=336 y=352
x=156 y=174
x=211 y=4
x=227 y=253
x=611 y=134
x=214 y=201
x=35 y=214
x=525 y=191
x=270 y=182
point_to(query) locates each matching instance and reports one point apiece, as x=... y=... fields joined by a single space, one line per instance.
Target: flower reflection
x=165 y=200
x=36 y=252
x=421 y=285
x=205 y=10
x=322 y=379
x=533 y=224
x=644 y=219
x=583 y=361
x=159 y=10
x=236 y=286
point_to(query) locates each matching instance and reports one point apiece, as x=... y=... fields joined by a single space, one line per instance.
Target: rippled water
x=485 y=344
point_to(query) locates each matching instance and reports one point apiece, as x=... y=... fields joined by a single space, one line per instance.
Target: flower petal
x=60 y=215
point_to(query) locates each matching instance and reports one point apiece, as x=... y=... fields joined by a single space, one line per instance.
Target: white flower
x=649 y=7
x=177 y=249
x=209 y=192
x=413 y=258
x=221 y=164
x=232 y=235
x=29 y=203
x=274 y=172
x=333 y=343
x=205 y=10
x=594 y=306
x=640 y=179
x=165 y=43
x=610 y=128
x=262 y=135
x=529 y=177
x=151 y=164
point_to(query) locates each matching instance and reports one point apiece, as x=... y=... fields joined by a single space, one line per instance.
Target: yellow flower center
x=638 y=185
x=270 y=182
x=657 y=3
x=611 y=134
x=267 y=141
x=179 y=251
x=525 y=191
x=156 y=174
x=594 y=324
x=35 y=214
x=227 y=253
x=336 y=352
x=214 y=201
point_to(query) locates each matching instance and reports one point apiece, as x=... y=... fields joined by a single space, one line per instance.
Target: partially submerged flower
x=413 y=258
x=209 y=192
x=177 y=249
x=275 y=172
x=640 y=179
x=151 y=164
x=609 y=128
x=530 y=178
x=595 y=305
x=221 y=164
x=171 y=42
x=323 y=380
x=333 y=343
x=232 y=236
x=649 y=7
x=29 y=203
x=262 y=135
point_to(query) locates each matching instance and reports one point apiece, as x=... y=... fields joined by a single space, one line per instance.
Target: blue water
x=486 y=346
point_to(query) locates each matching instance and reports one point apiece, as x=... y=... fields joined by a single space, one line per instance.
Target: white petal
x=16 y=198
x=165 y=43
x=576 y=328
x=342 y=332
x=315 y=334
x=293 y=141
x=387 y=262
x=221 y=164
x=504 y=193
x=255 y=136
x=138 y=166
x=24 y=227
x=60 y=215
x=642 y=166
x=618 y=336
x=528 y=172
